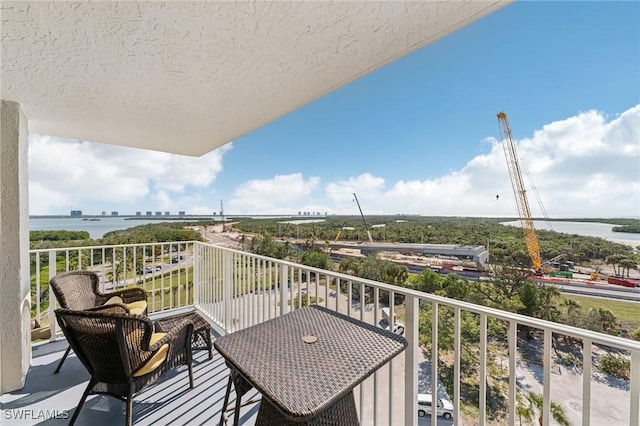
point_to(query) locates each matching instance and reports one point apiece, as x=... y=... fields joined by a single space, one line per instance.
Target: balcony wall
x=235 y=290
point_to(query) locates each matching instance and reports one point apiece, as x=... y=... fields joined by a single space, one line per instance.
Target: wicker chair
x=80 y=290
x=121 y=351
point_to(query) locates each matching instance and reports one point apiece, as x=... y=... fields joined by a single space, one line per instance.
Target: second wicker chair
x=80 y=290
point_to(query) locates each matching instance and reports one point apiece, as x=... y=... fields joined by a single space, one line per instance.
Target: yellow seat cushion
x=157 y=359
x=138 y=307
x=113 y=300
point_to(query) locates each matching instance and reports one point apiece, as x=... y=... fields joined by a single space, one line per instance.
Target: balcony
x=234 y=290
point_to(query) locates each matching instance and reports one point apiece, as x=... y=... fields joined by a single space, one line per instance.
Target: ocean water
x=96 y=229
x=589 y=229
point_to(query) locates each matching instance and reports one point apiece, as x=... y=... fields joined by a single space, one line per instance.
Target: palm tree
x=614 y=260
x=524 y=412
x=557 y=412
x=628 y=264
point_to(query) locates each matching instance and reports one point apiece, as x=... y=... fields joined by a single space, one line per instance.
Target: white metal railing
x=163 y=270
x=236 y=289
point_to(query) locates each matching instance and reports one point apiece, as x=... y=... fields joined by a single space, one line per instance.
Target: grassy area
x=163 y=289
x=627 y=313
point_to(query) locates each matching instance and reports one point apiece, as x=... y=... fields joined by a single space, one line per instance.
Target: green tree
x=529 y=299
x=315 y=259
x=427 y=281
x=267 y=246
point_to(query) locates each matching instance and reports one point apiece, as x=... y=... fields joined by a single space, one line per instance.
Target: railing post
x=512 y=335
x=586 y=382
x=227 y=292
x=634 y=415
x=195 y=276
x=411 y=361
x=53 y=324
x=434 y=363
x=284 y=286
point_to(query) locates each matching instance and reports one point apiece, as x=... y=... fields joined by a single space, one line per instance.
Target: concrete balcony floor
x=167 y=401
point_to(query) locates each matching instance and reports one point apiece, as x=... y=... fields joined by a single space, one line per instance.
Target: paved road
x=603 y=290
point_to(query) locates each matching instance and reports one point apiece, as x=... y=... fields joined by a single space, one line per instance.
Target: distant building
x=215 y=213
x=114 y=213
x=158 y=213
x=104 y=213
x=138 y=213
x=167 y=214
x=181 y=214
x=299 y=213
x=76 y=213
x=149 y=213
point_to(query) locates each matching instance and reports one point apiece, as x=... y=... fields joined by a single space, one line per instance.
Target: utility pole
x=222 y=216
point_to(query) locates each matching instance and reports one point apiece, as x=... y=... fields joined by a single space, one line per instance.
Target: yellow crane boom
x=340 y=231
x=530 y=237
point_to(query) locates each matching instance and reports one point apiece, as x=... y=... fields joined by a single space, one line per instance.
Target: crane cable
x=533 y=186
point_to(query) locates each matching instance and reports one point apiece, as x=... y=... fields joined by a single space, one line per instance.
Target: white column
x=15 y=300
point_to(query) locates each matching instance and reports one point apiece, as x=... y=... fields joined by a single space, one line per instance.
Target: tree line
x=505 y=243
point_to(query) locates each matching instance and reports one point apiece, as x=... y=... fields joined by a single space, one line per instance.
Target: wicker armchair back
x=78 y=290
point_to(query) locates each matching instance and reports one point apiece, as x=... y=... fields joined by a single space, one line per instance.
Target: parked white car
x=384 y=323
x=445 y=408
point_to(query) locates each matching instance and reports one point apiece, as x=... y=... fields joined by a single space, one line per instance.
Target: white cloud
x=65 y=173
x=366 y=187
x=583 y=166
x=587 y=165
x=279 y=195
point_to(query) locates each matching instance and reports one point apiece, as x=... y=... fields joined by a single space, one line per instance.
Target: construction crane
x=510 y=152
x=363 y=220
x=342 y=228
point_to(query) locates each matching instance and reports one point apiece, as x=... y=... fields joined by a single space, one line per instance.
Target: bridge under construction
x=477 y=254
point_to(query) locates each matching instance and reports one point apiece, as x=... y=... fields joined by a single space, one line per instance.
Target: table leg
x=226 y=401
x=241 y=387
x=342 y=413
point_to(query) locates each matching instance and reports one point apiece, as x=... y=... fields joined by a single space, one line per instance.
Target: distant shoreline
x=608 y=220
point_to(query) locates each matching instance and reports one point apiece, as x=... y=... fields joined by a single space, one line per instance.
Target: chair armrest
x=179 y=335
x=112 y=308
x=127 y=295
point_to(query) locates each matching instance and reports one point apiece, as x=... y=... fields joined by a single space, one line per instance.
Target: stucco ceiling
x=188 y=77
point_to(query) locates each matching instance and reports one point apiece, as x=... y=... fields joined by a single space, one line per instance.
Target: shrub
x=615 y=365
x=312 y=300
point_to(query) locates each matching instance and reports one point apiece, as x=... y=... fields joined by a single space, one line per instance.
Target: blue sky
x=419 y=136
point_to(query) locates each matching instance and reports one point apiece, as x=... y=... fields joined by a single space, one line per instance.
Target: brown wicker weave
x=201 y=329
x=308 y=383
x=80 y=290
x=114 y=347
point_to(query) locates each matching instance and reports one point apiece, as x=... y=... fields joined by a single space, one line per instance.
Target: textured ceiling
x=188 y=77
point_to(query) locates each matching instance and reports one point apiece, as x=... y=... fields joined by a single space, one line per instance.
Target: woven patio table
x=306 y=364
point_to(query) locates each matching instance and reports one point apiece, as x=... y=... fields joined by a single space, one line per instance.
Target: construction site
x=471 y=260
